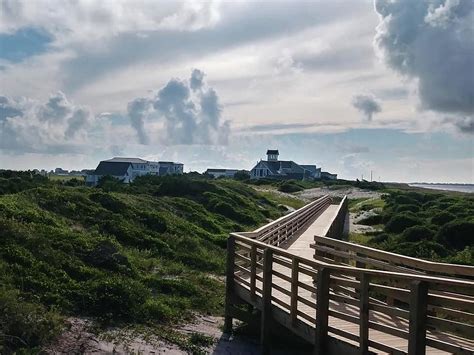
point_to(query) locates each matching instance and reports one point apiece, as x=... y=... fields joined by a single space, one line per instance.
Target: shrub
x=109 y=202
x=371 y=220
x=241 y=175
x=115 y=298
x=289 y=187
x=399 y=222
x=157 y=310
x=457 y=234
x=25 y=325
x=417 y=233
x=407 y=208
x=424 y=249
x=404 y=200
x=442 y=218
x=183 y=186
x=379 y=238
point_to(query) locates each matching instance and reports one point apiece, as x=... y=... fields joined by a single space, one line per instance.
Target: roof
x=112 y=168
x=127 y=160
x=283 y=167
x=169 y=163
x=275 y=151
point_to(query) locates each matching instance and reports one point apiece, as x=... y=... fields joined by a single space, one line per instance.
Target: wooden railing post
x=294 y=290
x=229 y=286
x=322 y=311
x=265 y=330
x=364 y=314
x=253 y=271
x=418 y=311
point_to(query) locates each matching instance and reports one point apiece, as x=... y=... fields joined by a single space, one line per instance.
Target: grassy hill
x=149 y=253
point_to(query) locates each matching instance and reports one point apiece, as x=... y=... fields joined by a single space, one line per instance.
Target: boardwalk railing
x=336 y=228
x=286 y=227
x=346 y=309
x=366 y=257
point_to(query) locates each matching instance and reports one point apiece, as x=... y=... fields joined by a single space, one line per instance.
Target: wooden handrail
x=360 y=276
x=354 y=271
x=397 y=259
x=426 y=302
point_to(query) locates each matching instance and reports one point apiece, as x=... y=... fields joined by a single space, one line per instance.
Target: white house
x=328 y=176
x=127 y=169
x=273 y=168
x=216 y=173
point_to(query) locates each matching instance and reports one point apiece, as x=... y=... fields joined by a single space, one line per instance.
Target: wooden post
x=364 y=315
x=322 y=311
x=294 y=290
x=253 y=271
x=418 y=311
x=229 y=285
x=317 y=254
x=265 y=330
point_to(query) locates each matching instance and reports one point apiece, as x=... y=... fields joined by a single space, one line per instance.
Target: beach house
x=273 y=168
x=127 y=169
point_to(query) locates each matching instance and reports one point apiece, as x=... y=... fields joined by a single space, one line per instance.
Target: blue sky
x=352 y=86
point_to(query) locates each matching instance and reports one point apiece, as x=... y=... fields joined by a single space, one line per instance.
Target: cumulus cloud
x=367 y=104
x=138 y=110
x=31 y=126
x=432 y=42
x=462 y=124
x=189 y=110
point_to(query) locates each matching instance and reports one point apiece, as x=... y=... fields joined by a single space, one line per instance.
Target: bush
x=424 y=249
x=289 y=187
x=116 y=298
x=241 y=175
x=404 y=200
x=379 y=238
x=417 y=233
x=457 y=234
x=442 y=218
x=399 y=222
x=371 y=220
x=407 y=208
x=183 y=186
x=25 y=325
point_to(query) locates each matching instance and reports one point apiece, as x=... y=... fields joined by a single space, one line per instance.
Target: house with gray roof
x=217 y=173
x=127 y=169
x=273 y=168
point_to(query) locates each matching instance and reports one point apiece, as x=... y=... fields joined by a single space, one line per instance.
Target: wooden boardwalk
x=292 y=295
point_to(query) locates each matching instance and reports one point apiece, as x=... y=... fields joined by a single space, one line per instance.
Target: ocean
x=469 y=188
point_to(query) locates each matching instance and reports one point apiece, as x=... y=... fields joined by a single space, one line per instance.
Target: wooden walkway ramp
x=345 y=298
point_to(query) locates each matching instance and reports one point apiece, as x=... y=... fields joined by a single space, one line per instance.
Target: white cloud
x=190 y=111
x=52 y=127
x=431 y=42
x=82 y=20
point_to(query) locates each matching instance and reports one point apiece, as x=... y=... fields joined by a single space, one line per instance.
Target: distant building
x=316 y=172
x=60 y=171
x=127 y=169
x=216 y=173
x=328 y=176
x=273 y=168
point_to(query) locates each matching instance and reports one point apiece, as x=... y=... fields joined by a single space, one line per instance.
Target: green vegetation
x=150 y=253
x=427 y=225
x=283 y=200
x=297 y=185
